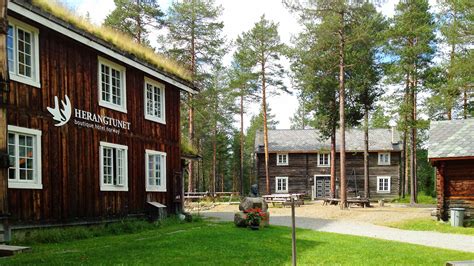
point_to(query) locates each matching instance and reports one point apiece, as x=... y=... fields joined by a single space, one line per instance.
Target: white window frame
x=282 y=154
x=155 y=188
x=161 y=86
x=123 y=82
x=34 y=80
x=380 y=162
x=108 y=187
x=329 y=160
x=285 y=179
x=36 y=183
x=378 y=184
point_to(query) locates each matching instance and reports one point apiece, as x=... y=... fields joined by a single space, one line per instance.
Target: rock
x=250 y=203
x=266 y=222
x=239 y=219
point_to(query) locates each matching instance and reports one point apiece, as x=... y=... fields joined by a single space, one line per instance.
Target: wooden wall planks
x=70 y=154
x=302 y=167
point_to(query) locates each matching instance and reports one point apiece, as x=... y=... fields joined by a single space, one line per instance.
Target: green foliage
x=378 y=119
x=422 y=199
x=260 y=50
x=432 y=225
x=134 y=18
x=207 y=243
x=194 y=35
x=425 y=173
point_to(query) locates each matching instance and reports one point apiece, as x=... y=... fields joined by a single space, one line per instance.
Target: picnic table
x=285 y=199
x=363 y=202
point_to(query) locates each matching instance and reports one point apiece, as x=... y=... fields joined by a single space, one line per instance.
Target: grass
x=422 y=199
x=118 y=39
x=65 y=234
x=207 y=243
x=431 y=225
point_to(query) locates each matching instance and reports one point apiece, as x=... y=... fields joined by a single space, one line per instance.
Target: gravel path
x=432 y=239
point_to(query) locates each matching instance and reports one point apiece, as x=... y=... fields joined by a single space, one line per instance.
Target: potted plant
x=254 y=217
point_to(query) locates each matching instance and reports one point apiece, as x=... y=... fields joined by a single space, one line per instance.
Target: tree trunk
x=413 y=199
x=214 y=159
x=191 y=106
x=342 y=118
x=366 y=153
x=4 y=87
x=265 y=129
x=241 y=143
x=403 y=165
x=465 y=103
x=333 y=162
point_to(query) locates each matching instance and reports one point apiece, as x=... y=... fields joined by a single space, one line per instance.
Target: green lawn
x=431 y=225
x=223 y=244
x=422 y=199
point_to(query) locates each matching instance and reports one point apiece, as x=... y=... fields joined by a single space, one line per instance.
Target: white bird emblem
x=61 y=115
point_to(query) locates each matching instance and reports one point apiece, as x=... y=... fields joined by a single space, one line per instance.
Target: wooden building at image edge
x=451 y=152
x=299 y=162
x=93 y=131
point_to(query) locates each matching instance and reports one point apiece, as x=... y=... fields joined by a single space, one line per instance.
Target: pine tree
x=261 y=50
x=135 y=18
x=242 y=81
x=326 y=43
x=302 y=117
x=195 y=39
x=378 y=119
x=411 y=40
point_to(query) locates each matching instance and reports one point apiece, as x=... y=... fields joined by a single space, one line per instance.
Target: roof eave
x=34 y=13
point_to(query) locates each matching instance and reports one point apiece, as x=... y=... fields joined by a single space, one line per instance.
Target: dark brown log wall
x=455 y=186
x=302 y=167
x=70 y=154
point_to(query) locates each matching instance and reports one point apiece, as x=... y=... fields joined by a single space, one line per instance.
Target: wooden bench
x=354 y=201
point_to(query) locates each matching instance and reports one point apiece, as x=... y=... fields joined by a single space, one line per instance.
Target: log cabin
x=93 y=124
x=299 y=162
x=451 y=152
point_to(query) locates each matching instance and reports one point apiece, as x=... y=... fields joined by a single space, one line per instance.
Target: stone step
x=7 y=250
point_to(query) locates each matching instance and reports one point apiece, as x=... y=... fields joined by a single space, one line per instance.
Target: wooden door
x=322 y=185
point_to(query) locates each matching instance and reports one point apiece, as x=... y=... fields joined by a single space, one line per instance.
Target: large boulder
x=251 y=203
x=239 y=219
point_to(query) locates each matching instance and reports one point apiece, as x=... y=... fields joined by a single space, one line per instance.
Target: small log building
x=299 y=162
x=93 y=130
x=451 y=151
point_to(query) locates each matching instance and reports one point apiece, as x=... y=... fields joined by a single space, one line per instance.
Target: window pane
x=105 y=84
x=24 y=53
x=10 y=49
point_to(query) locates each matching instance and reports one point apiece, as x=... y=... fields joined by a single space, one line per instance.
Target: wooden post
x=440 y=185
x=4 y=83
x=293 y=232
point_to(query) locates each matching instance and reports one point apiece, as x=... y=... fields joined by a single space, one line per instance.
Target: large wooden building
x=451 y=151
x=93 y=129
x=299 y=162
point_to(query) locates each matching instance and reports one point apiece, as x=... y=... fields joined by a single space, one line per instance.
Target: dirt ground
x=376 y=215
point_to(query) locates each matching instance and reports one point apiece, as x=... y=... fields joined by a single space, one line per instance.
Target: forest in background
x=350 y=67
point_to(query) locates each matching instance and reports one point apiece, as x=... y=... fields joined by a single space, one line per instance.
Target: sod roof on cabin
x=450 y=139
x=108 y=37
x=309 y=140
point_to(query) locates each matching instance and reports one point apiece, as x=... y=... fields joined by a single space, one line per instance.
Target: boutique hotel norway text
x=93 y=130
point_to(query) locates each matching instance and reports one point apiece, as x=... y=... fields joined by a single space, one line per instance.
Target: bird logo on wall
x=63 y=115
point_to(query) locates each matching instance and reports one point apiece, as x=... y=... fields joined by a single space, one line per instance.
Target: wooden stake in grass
x=293 y=232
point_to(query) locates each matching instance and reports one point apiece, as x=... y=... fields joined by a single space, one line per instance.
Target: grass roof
x=118 y=39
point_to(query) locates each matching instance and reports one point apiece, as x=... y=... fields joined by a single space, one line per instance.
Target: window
x=282 y=159
x=24 y=151
x=113 y=167
x=324 y=160
x=383 y=184
x=384 y=158
x=23 y=53
x=155 y=171
x=154 y=101
x=281 y=184
x=112 y=92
